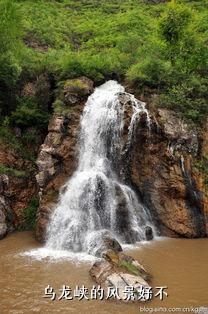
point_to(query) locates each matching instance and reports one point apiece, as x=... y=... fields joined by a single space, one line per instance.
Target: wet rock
x=119 y=270
x=148 y=233
x=100 y=242
x=127 y=262
x=202 y=177
x=143 y=119
x=3 y=230
x=2 y=216
x=122 y=218
x=57 y=158
x=172 y=194
x=43 y=217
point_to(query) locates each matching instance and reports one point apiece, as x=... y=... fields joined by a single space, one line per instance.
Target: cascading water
x=95 y=200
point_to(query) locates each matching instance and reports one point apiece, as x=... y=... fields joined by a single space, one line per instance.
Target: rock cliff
x=163 y=171
x=165 y=164
x=160 y=164
x=17 y=188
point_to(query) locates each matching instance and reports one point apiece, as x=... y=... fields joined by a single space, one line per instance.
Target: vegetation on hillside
x=30 y=215
x=158 y=48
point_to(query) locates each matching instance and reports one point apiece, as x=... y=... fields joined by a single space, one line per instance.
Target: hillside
x=157 y=48
x=158 y=51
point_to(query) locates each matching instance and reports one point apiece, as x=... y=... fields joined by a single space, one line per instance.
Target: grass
x=82 y=35
x=130 y=267
x=129 y=40
x=122 y=39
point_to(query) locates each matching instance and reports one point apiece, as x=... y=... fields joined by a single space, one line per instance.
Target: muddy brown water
x=179 y=264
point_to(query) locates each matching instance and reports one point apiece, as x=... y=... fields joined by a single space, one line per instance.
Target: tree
x=173 y=28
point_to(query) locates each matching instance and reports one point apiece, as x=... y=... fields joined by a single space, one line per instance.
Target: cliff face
x=17 y=189
x=161 y=164
x=162 y=169
x=57 y=159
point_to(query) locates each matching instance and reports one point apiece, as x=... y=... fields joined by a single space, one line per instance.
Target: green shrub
x=60 y=108
x=12 y=171
x=30 y=215
x=7 y=136
x=129 y=266
x=183 y=100
x=155 y=46
x=28 y=113
x=151 y=72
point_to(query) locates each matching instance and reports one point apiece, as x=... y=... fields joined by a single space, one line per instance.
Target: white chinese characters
x=129 y=293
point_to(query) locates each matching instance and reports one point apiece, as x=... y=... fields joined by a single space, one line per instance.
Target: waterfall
x=95 y=199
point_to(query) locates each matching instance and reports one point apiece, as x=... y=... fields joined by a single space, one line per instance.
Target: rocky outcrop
x=165 y=162
x=57 y=159
x=162 y=171
x=159 y=163
x=101 y=242
x=17 y=188
x=117 y=271
x=75 y=90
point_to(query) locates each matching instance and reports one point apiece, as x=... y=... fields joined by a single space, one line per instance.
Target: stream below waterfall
x=179 y=264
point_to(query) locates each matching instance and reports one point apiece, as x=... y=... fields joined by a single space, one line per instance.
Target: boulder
x=123 y=222
x=101 y=241
x=118 y=271
x=148 y=233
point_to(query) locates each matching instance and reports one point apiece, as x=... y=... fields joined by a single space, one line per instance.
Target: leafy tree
x=173 y=28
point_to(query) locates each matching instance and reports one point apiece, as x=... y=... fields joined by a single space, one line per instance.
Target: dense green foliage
x=30 y=215
x=12 y=171
x=160 y=49
x=28 y=113
x=10 y=47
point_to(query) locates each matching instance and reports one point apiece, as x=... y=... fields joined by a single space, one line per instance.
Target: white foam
x=57 y=255
x=54 y=255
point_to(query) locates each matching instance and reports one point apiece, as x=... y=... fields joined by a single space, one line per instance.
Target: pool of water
x=179 y=264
